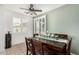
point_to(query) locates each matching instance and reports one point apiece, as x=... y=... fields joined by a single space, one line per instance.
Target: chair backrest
x=36 y=34
x=29 y=45
x=61 y=36
x=65 y=36
x=69 y=47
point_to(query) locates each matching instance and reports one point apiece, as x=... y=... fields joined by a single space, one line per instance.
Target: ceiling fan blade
x=24 y=8
x=38 y=10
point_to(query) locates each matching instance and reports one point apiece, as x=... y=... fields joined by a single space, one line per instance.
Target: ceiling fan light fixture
x=31 y=10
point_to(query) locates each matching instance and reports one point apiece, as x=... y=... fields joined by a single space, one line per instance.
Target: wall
x=6 y=25
x=65 y=20
x=2 y=29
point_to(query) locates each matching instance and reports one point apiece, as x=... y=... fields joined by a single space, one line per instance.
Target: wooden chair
x=65 y=37
x=69 y=47
x=36 y=34
x=29 y=46
x=33 y=46
x=61 y=36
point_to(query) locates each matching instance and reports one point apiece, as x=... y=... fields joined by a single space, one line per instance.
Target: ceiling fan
x=31 y=10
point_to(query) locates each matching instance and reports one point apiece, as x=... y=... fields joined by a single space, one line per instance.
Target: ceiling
x=43 y=7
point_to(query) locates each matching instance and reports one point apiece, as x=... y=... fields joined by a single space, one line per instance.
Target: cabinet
x=7 y=40
x=40 y=24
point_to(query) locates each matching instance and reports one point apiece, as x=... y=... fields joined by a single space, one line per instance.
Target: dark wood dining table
x=57 y=47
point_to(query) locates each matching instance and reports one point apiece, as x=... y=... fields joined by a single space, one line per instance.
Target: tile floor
x=18 y=49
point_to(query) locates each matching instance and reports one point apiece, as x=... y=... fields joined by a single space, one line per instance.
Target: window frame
x=14 y=31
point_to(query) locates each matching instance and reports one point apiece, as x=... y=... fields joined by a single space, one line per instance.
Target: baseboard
x=15 y=43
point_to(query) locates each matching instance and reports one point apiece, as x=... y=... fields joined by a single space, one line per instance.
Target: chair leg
x=27 y=52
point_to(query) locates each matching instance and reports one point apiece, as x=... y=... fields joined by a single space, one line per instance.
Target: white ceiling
x=43 y=7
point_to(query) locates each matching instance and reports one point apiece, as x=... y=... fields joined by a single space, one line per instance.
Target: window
x=40 y=24
x=20 y=24
x=17 y=24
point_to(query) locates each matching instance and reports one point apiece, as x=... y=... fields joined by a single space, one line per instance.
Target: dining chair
x=29 y=46
x=66 y=37
x=69 y=47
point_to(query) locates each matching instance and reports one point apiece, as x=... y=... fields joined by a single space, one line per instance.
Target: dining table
x=59 y=46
